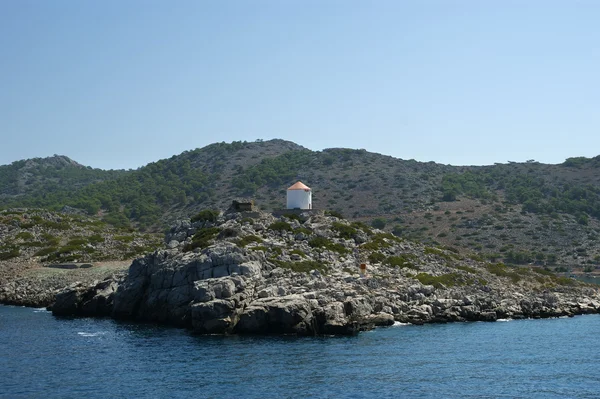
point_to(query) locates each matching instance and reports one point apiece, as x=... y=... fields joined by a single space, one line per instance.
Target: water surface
x=46 y=357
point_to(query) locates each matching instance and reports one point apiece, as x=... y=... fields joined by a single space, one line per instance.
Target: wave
x=87 y=334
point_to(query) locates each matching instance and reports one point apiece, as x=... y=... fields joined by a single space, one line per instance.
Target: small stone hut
x=242 y=205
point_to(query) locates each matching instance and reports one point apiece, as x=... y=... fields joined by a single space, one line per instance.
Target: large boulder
x=278 y=315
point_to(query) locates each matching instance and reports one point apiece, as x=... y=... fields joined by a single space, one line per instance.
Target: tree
x=378 y=223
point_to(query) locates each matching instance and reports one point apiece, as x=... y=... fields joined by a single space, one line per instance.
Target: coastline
x=226 y=287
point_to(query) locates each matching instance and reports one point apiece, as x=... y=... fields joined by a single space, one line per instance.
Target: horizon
x=120 y=85
x=266 y=140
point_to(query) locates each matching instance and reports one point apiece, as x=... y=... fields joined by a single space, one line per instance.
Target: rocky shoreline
x=258 y=274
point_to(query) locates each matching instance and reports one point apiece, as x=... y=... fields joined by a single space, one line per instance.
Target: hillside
x=35 y=177
x=31 y=240
x=519 y=213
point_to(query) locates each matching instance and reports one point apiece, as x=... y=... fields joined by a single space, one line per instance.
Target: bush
x=376 y=257
x=501 y=270
x=404 y=260
x=280 y=226
x=9 y=253
x=303 y=230
x=242 y=242
x=125 y=239
x=202 y=238
x=322 y=242
x=378 y=223
x=206 y=215
x=95 y=239
x=448 y=280
x=24 y=235
x=380 y=241
x=293 y=216
x=334 y=214
x=45 y=251
x=343 y=230
x=467 y=269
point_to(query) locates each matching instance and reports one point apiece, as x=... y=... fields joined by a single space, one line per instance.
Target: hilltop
x=519 y=213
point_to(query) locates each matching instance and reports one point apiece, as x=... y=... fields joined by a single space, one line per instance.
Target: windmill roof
x=299 y=186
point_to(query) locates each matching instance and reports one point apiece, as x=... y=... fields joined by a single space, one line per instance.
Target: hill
x=516 y=212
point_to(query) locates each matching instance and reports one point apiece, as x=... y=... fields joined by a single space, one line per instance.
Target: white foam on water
x=86 y=334
x=504 y=320
x=40 y=310
x=398 y=324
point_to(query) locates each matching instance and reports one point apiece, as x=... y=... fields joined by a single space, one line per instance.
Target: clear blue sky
x=117 y=84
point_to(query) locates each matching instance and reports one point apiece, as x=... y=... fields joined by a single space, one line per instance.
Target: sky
x=116 y=84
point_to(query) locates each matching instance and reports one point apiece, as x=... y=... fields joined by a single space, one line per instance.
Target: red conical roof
x=299 y=186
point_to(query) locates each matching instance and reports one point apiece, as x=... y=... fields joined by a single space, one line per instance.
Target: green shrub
x=376 y=257
x=343 y=230
x=380 y=241
x=259 y=248
x=242 y=242
x=206 y=215
x=24 y=235
x=440 y=253
x=378 y=223
x=9 y=253
x=362 y=226
x=544 y=272
x=334 y=214
x=448 y=280
x=77 y=241
x=293 y=216
x=95 y=239
x=280 y=226
x=298 y=252
x=202 y=238
x=403 y=260
x=125 y=239
x=303 y=230
x=467 y=269
x=33 y=244
x=322 y=242
x=45 y=251
x=501 y=270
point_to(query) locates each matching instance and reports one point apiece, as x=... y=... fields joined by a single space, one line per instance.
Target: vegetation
x=280 y=226
x=249 y=239
x=202 y=238
x=376 y=257
x=404 y=260
x=206 y=215
x=344 y=231
x=444 y=280
x=324 y=243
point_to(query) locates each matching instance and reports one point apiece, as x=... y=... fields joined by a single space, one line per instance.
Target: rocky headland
x=254 y=273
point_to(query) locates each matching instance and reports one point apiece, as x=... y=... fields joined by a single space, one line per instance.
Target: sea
x=42 y=356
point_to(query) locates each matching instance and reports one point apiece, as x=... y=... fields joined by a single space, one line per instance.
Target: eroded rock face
x=232 y=287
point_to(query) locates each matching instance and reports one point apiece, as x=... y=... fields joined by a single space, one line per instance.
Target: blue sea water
x=45 y=357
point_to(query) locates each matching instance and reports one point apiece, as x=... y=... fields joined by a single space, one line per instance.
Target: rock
x=282 y=315
x=214 y=317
